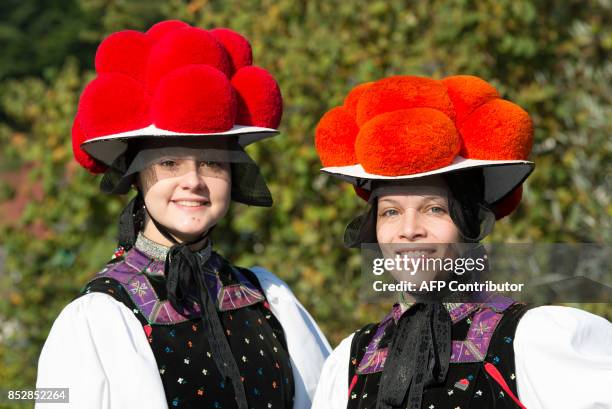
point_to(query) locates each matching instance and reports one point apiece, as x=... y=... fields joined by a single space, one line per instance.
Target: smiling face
x=186 y=195
x=416 y=213
x=413 y=221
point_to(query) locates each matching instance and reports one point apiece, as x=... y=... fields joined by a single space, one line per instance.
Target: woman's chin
x=187 y=235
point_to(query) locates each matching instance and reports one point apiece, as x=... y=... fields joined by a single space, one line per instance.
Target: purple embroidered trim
x=238 y=296
x=396 y=313
x=472 y=349
x=475 y=346
x=129 y=273
x=460 y=311
x=374 y=358
x=232 y=297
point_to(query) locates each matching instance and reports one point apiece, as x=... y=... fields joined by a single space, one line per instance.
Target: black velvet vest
x=187 y=370
x=481 y=337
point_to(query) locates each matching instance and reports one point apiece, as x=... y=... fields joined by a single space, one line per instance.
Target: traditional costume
x=495 y=353
x=171 y=327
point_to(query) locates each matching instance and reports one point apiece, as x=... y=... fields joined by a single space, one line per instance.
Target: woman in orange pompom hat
x=438 y=163
x=168 y=322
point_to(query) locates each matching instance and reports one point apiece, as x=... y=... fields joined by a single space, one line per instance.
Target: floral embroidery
x=472 y=349
x=185 y=365
x=466 y=384
x=130 y=272
x=138 y=288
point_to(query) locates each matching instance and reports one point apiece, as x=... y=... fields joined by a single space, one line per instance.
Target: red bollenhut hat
x=174 y=80
x=406 y=127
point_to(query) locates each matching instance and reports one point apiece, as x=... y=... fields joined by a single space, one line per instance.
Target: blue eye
x=437 y=210
x=389 y=213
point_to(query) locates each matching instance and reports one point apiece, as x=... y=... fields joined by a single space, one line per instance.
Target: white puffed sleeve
x=308 y=347
x=332 y=391
x=563 y=359
x=98 y=349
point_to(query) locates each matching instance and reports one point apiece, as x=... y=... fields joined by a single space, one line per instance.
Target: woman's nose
x=413 y=227
x=191 y=179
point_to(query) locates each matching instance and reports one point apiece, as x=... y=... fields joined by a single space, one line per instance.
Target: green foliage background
x=551 y=57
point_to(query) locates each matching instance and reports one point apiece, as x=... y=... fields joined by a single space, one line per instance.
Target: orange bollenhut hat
x=406 y=127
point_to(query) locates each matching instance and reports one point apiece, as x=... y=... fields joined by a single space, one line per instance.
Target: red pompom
x=194 y=99
x=124 y=52
x=498 y=130
x=352 y=99
x=406 y=142
x=113 y=103
x=467 y=93
x=403 y=92
x=362 y=193
x=236 y=46
x=509 y=203
x=335 y=138
x=82 y=157
x=185 y=46
x=162 y=28
x=259 y=99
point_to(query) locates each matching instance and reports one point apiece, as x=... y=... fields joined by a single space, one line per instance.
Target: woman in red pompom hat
x=168 y=322
x=438 y=163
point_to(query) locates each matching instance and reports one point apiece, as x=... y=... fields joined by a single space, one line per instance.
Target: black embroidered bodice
x=188 y=372
x=482 y=335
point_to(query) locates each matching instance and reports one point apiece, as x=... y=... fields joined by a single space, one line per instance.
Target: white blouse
x=563 y=359
x=98 y=350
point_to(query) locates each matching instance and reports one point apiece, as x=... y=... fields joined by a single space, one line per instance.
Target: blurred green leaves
x=550 y=57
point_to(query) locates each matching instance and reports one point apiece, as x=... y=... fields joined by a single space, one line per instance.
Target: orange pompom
x=467 y=93
x=498 y=130
x=407 y=141
x=335 y=138
x=403 y=92
x=351 y=100
x=509 y=203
